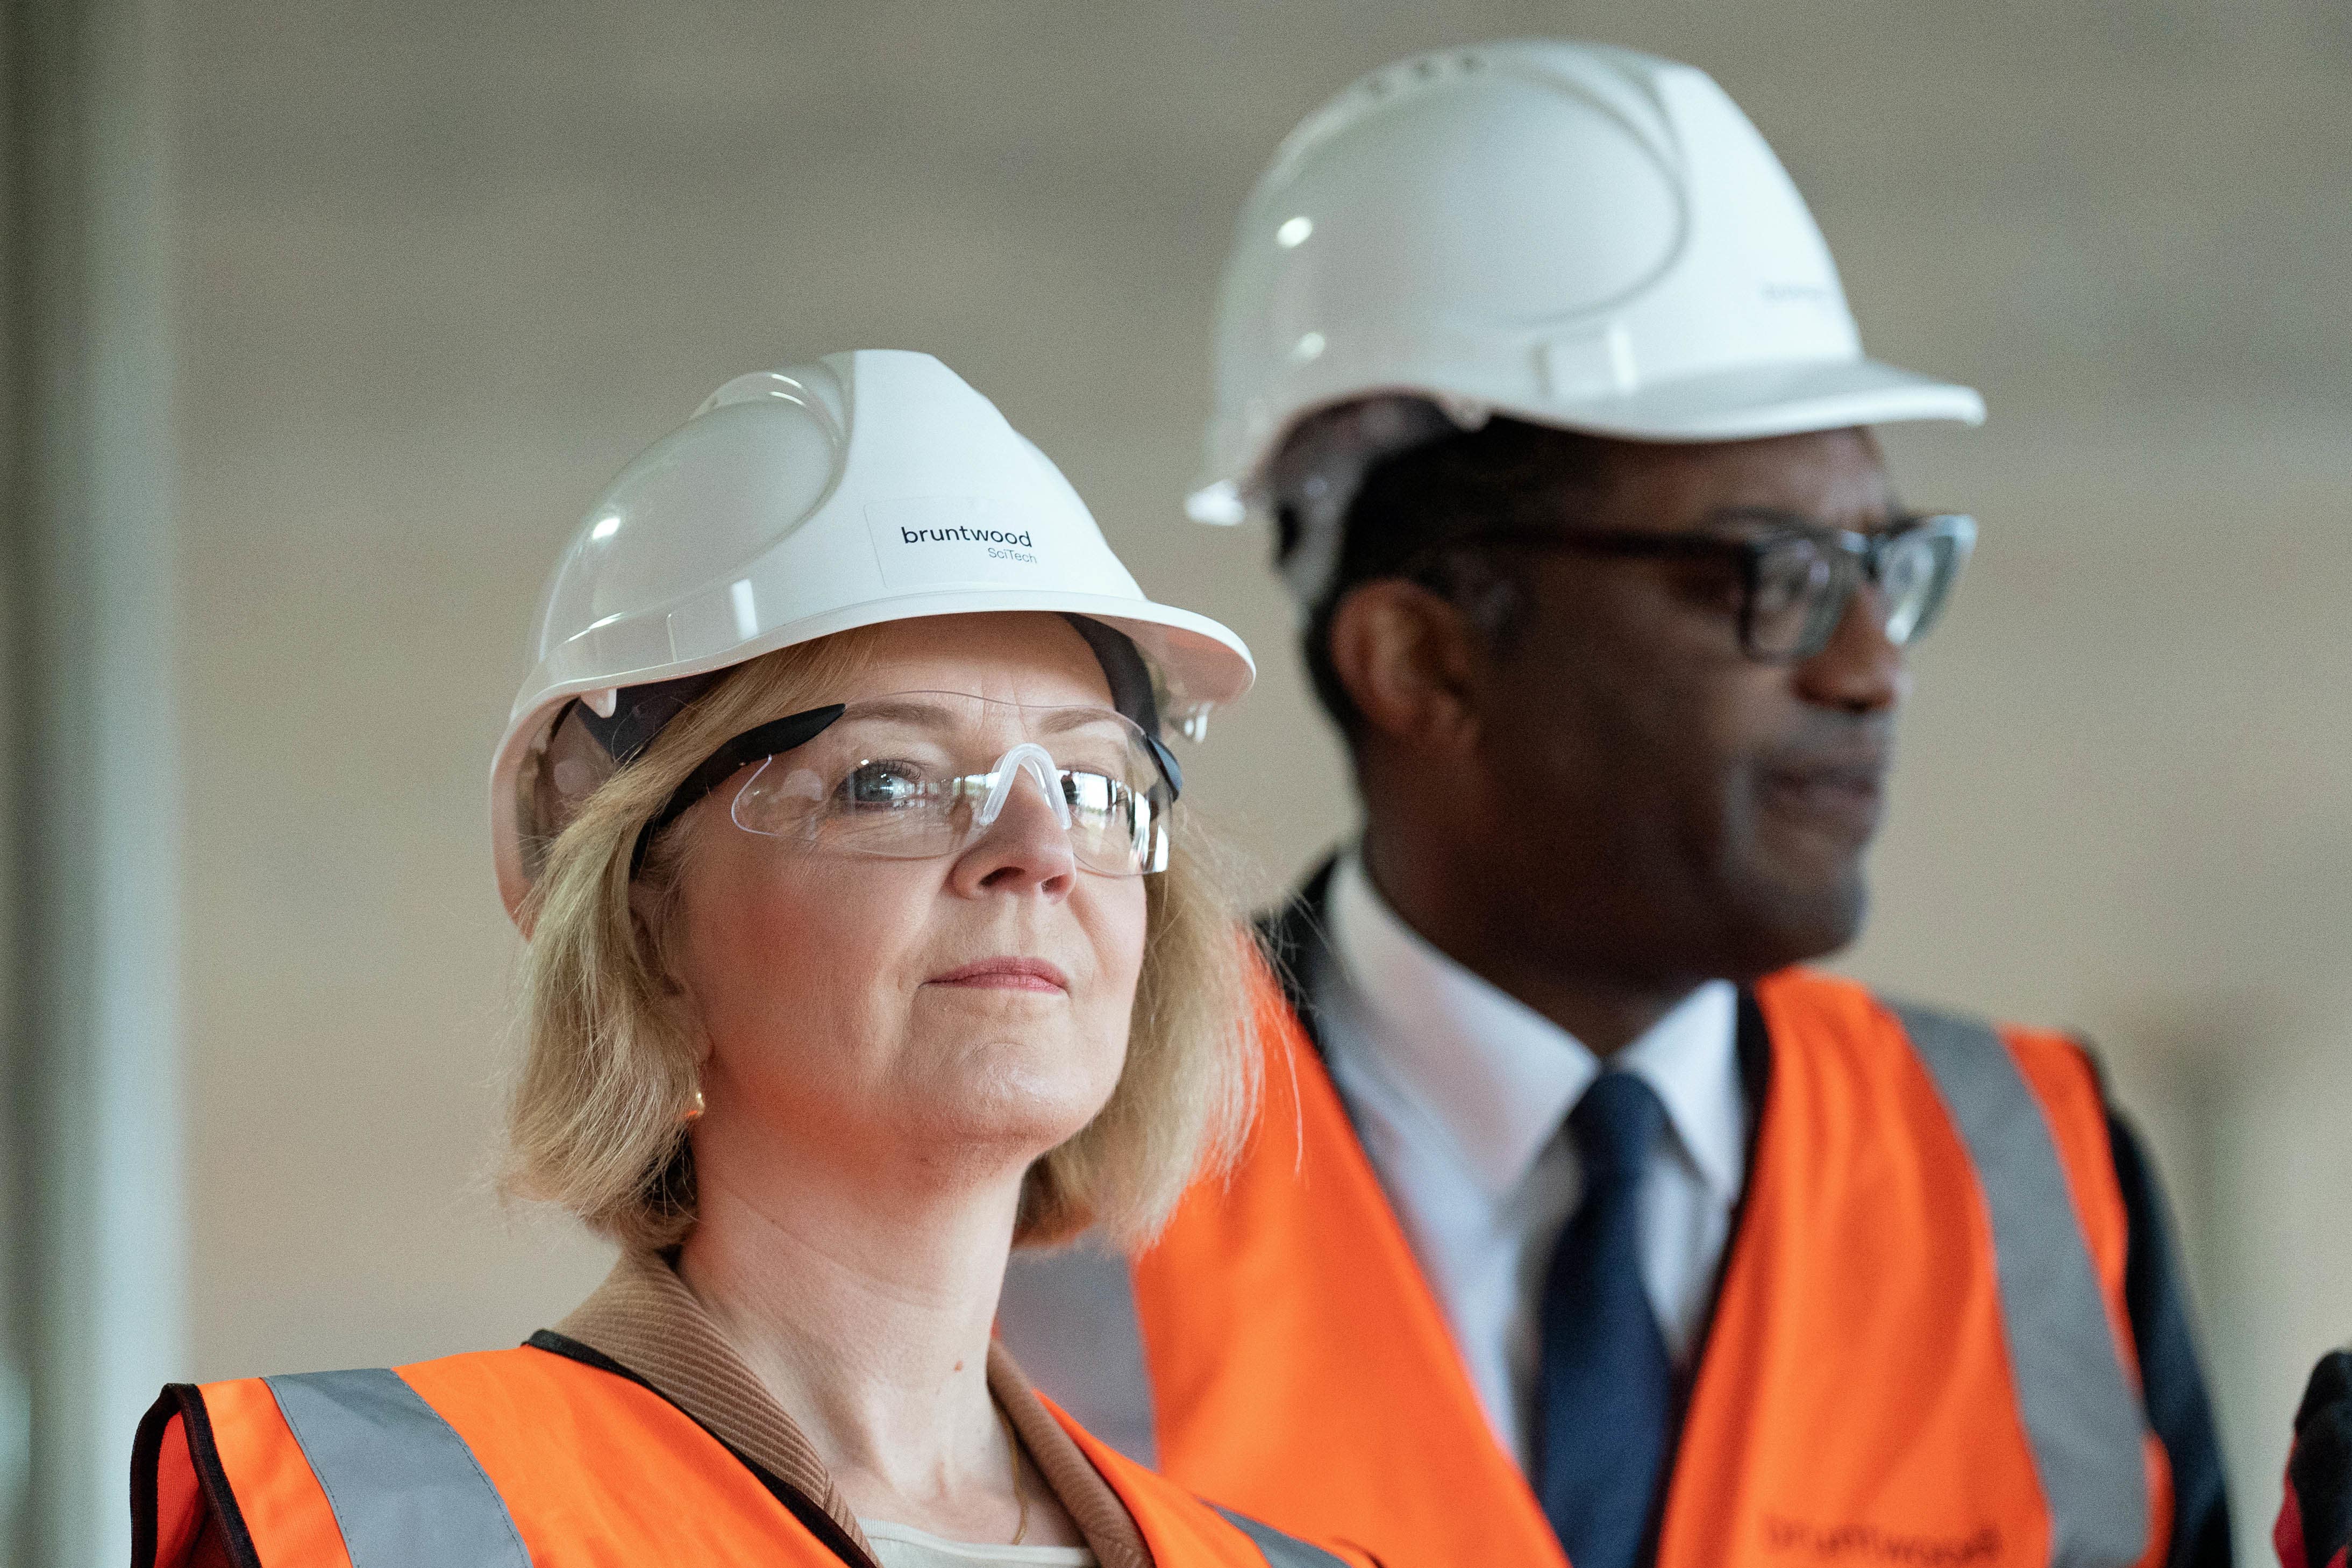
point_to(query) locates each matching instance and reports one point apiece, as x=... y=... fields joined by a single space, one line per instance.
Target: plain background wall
x=441 y=268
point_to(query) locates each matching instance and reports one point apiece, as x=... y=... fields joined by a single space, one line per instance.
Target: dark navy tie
x=1605 y=1388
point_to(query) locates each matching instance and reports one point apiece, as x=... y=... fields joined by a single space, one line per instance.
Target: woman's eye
x=881 y=786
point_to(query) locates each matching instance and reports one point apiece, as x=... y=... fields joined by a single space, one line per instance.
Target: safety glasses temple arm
x=1167 y=760
x=752 y=745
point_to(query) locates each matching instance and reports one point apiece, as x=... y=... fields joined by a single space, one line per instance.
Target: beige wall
x=444 y=267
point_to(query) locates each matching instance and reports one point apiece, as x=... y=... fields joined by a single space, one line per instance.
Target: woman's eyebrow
x=1063 y=720
x=902 y=710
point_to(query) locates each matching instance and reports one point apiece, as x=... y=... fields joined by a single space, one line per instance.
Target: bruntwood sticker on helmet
x=951 y=541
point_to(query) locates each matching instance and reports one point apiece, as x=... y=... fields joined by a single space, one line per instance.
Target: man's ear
x=1408 y=662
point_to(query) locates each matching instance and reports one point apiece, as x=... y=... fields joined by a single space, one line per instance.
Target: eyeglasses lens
x=1800 y=587
x=921 y=774
x=1914 y=573
x=1794 y=597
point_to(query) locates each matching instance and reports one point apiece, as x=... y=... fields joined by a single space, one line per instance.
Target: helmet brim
x=1760 y=401
x=1744 y=404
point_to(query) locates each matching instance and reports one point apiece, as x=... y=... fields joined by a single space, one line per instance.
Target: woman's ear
x=645 y=911
x=655 y=919
x=1408 y=660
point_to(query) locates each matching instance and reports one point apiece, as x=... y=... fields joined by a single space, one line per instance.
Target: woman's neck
x=871 y=1329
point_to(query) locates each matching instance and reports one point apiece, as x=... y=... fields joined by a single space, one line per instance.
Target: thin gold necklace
x=1012 y=1442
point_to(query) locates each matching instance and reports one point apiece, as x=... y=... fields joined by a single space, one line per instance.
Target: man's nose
x=1861 y=670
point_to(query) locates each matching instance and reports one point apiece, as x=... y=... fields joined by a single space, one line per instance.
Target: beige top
x=645 y=1318
x=904 y=1546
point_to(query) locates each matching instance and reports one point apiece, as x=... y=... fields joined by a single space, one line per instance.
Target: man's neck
x=1605 y=1011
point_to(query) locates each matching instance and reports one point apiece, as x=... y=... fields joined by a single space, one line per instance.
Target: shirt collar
x=1691 y=1057
x=1499 y=1077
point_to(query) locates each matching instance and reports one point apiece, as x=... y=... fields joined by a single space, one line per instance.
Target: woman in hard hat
x=867 y=942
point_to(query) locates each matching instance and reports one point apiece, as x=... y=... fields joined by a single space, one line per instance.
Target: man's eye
x=1788 y=579
x=1707 y=581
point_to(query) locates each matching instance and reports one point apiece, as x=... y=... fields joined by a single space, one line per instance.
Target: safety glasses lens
x=922 y=774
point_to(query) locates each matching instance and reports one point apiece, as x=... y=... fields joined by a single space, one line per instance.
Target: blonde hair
x=596 y=1119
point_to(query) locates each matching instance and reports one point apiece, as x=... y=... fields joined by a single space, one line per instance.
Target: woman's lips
x=1006 y=974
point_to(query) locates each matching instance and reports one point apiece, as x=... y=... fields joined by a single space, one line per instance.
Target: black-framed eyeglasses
x=1796 y=578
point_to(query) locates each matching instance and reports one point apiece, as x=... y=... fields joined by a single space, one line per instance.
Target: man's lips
x=1006 y=974
x=1851 y=794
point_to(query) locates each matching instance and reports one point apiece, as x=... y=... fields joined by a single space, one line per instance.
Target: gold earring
x=693 y=1112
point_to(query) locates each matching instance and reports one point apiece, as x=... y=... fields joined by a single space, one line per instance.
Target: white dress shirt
x=1461 y=1094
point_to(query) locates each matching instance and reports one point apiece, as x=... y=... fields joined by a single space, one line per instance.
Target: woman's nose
x=1025 y=849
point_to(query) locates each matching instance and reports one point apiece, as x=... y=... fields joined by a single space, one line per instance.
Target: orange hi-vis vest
x=526 y=1458
x=1919 y=1354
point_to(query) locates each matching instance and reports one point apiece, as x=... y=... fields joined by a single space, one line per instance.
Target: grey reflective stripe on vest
x=1069 y=1319
x=2081 y=1415
x=404 y=1488
x=1281 y=1551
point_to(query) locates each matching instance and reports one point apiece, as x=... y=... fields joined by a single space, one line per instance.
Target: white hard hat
x=868 y=486
x=1571 y=233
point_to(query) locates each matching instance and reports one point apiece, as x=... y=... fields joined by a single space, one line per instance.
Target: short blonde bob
x=595 y=1120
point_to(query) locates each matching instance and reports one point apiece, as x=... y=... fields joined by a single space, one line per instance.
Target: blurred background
x=325 y=322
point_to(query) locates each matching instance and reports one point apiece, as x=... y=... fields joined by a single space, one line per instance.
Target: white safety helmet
x=1569 y=233
x=868 y=486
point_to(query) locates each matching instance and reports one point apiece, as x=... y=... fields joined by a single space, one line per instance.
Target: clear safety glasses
x=1796 y=578
x=920 y=774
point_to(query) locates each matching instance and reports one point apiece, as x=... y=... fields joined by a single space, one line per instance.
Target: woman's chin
x=1019 y=1115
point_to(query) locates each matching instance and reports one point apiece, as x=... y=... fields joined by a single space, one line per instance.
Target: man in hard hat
x=1581 y=1223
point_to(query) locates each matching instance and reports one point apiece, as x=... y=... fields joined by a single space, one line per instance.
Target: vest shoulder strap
x=500 y=1459
x=2074 y=1389
x=403 y=1486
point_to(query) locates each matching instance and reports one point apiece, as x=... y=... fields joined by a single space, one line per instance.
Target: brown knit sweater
x=645 y=1318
